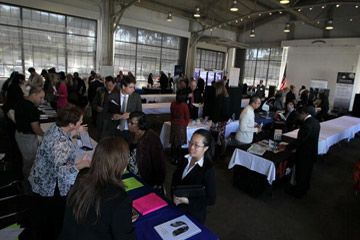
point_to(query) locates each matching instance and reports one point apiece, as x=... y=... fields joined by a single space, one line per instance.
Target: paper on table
x=131 y=183
x=177 y=229
x=149 y=203
x=257 y=149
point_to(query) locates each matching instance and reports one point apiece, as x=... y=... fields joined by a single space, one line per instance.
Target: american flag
x=284 y=80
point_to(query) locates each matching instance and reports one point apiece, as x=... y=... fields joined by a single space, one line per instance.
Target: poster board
x=318 y=83
x=234 y=76
x=343 y=91
x=106 y=71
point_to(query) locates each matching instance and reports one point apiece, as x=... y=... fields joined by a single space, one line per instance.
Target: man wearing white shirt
x=247 y=123
x=130 y=102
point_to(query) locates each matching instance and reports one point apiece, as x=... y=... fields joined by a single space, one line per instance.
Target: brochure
x=179 y=228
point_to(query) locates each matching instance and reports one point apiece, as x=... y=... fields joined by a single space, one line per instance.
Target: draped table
x=333 y=131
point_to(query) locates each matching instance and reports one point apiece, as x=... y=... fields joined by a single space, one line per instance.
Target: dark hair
x=181 y=96
x=253 y=99
x=126 y=81
x=107 y=166
x=208 y=142
x=31 y=69
x=67 y=115
x=109 y=79
x=43 y=72
x=142 y=120
x=35 y=90
x=76 y=74
x=307 y=110
x=18 y=77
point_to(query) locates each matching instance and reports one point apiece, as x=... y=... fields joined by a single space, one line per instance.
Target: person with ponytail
x=97 y=205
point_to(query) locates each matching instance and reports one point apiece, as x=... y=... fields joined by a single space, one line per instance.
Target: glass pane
x=125 y=34
x=263 y=54
x=44 y=50
x=81 y=54
x=81 y=26
x=276 y=54
x=125 y=57
x=149 y=37
x=43 y=20
x=171 y=41
x=168 y=54
x=251 y=54
x=10 y=54
x=9 y=14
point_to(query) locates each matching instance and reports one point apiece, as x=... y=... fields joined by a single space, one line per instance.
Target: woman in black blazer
x=98 y=206
x=196 y=169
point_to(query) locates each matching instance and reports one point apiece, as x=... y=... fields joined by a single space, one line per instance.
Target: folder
x=131 y=183
x=149 y=203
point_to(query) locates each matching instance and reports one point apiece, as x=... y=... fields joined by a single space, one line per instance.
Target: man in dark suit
x=306 y=146
x=129 y=102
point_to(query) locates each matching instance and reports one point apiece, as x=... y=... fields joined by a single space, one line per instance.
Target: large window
x=262 y=64
x=208 y=59
x=142 y=52
x=40 y=39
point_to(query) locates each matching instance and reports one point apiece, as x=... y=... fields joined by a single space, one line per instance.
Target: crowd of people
x=86 y=193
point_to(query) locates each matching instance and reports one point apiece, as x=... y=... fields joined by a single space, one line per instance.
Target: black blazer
x=307 y=142
x=114 y=222
x=205 y=176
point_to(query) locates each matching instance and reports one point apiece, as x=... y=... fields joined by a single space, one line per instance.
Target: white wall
x=306 y=61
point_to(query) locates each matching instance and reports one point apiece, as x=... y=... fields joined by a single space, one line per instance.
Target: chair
x=12 y=204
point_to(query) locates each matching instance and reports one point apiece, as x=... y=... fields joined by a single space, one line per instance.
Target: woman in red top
x=62 y=93
x=180 y=117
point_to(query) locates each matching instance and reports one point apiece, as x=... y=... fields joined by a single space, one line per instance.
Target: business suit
x=133 y=104
x=204 y=176
x=306 y=153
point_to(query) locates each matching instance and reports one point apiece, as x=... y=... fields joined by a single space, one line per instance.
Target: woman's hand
x=84 y=162
x=83 y=128
x=180 y=200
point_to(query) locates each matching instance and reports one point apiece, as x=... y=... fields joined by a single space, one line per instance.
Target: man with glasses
x=247 y=123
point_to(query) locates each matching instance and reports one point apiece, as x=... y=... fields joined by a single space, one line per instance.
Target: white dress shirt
x=122 y=99
x=247 y=125
x=188 y=168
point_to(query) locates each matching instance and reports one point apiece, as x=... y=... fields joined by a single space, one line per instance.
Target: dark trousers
x=48 y=216
x=303 y=171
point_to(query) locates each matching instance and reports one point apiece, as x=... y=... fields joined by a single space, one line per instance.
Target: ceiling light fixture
x=323 y=6
x=169 y=17
x=252 y=33
x=310 y=8
x=284 y=1
x=197 y=12
x=337 y=5
x=280 y=12
x=350 y=19
x=236 y=21
x=270 y=13
x=287 y=28
x=329 y=25
x=356 y=6
x=234 y=7
x=299 y=10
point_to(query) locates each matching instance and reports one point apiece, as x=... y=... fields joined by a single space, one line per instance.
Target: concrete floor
x=330 y=210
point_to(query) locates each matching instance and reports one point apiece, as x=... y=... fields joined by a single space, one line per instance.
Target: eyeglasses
x=195 y=145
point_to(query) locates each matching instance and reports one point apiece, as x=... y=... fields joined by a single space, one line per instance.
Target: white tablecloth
x=191 y=128
x=156 y=108
x=333 y=131
x=159 y=98
x=254 y=163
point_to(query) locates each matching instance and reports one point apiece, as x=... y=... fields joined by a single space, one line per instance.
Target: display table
x=191 y=128
x=144 y=225
x=156 y=108
x=333 y=131
x=159 y=98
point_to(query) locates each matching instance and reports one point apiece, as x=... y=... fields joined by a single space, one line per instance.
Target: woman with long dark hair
x=195 y=177
x=98 y=206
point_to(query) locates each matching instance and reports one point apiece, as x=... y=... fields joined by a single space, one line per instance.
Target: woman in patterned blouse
x=55 y=170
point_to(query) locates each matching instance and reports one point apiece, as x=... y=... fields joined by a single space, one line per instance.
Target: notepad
x=131 y=183
x=149 y=203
